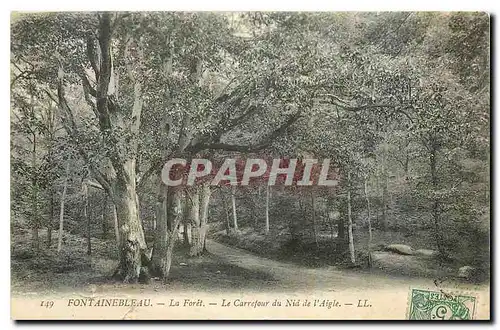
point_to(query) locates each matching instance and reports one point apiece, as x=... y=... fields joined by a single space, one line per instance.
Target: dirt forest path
x=292 y=277
x=223 y=269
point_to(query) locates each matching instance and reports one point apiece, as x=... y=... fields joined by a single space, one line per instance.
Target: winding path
x=292 y=277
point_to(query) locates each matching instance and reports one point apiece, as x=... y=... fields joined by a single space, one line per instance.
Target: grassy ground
x=73 y=270
x=280 y=246
x=266 y=262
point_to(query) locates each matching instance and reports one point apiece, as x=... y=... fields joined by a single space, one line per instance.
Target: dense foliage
x=398 y=101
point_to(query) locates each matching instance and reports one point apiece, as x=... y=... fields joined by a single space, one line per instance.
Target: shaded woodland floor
x=73 y=270
x=222 y=269
x=325 y=252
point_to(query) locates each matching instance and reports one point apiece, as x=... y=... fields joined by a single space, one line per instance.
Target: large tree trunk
x=169 y=216
x=174 y=217
x=132 y=243
x=110 y=173
x=61 y=211
x=117 y=227
x=349 y=218
x=198 y=213
x=123 y=148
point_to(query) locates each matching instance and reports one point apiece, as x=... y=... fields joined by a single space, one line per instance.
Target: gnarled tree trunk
x=197 y=204
x=116 y=226
x=174 y=218
x=169 y=216
x=132 y=243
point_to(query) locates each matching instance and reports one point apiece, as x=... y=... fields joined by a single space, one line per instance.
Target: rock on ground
x=466 y=272
x=400 y=249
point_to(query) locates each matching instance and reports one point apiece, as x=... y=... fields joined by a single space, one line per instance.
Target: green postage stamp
x=438 y=305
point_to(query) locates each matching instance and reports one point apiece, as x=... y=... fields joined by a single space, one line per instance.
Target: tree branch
x=91 y=56
x=264 y=143
x=69 y=124
x=335 y=100
x=87 y=91
x=93 y=184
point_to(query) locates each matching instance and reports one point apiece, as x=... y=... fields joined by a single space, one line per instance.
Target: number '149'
x=47 y=303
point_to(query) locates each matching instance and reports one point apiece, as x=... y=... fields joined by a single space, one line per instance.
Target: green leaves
x=233 y=78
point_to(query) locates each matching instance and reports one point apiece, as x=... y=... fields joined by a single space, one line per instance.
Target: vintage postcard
x=250 y=165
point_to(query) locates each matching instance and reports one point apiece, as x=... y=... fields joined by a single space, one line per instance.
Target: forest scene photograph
x=312 y=151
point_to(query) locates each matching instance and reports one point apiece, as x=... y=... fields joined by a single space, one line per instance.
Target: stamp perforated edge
x=452 y=292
